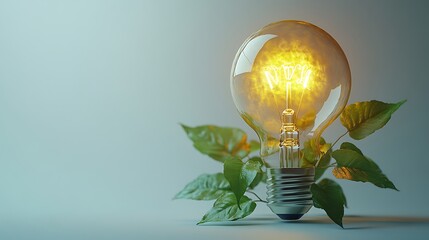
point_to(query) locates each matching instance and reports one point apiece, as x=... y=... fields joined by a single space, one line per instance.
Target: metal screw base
x=288 y=192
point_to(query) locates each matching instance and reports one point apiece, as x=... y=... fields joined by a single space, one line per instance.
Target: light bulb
x=289 y=81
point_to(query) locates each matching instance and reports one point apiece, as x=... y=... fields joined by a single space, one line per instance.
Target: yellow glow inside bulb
x=289 y=65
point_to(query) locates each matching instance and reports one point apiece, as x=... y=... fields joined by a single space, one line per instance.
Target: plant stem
x=256 y=195
x=338 y=139
x=332 y=145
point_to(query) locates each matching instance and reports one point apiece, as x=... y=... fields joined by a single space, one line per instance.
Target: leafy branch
x=242 y=173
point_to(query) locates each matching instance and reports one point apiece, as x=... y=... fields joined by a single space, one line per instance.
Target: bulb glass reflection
x=289 y=81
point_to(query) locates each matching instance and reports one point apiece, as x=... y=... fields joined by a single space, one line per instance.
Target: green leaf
x=257 y=180
x=219 y=143
x=311 y=151
x=353 y=165
x=363 y=118
x=205 y=187
x=264 y=178
x=232 y=171
x=311 y=156
x=329 y=196
x=240 y=175
x=254 y=146
x=350 y=146
x=260 y=175
x=325 y=160
x=226 y=209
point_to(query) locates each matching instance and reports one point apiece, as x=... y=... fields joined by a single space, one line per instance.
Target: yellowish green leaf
x=219 y=143
x=226 y=209
x=364 y=118
x=353 y=165
x=329 y=196
x=205 y=187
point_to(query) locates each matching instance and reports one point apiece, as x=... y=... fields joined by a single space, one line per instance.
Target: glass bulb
x=289 y=81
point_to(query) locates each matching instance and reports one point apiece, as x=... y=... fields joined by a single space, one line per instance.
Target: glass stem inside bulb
x=288 y=95
x=289 y=135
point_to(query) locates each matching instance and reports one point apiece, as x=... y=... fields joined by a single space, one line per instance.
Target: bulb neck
x=289 y=141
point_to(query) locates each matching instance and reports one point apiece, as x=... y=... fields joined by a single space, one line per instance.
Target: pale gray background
x=91 y=94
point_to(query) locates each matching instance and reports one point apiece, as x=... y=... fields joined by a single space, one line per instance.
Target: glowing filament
x=300 y=73
x=307 y=77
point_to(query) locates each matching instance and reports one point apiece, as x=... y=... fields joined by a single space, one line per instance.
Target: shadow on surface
x=350 y=222
x=366 y=222
x=251 y=221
